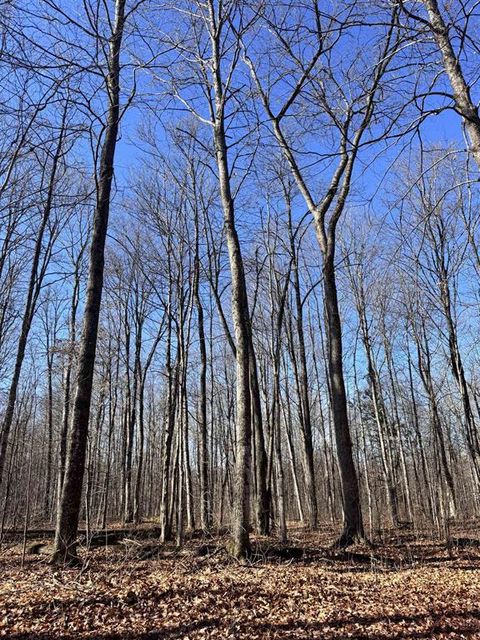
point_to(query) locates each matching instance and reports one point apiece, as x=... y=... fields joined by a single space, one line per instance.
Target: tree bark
x=353 y=524
x=240 y=311
x=68 y=516
x=461 y=91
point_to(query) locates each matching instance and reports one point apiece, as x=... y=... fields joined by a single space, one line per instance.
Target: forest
x=239 y=311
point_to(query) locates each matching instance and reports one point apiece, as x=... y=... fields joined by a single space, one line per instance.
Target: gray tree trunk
x=461 y=91
x=68 y=516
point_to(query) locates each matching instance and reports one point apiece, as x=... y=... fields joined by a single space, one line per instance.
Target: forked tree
x=345 y=103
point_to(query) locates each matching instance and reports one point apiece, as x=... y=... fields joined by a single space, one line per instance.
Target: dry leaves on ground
x=414 y=589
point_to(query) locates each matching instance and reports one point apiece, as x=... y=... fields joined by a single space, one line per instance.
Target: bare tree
x=351 y=123
x=444 y=32
x=42 y=253
x=68 y=515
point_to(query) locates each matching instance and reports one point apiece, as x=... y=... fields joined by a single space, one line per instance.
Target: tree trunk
x=353 y=524
x=68 y=516
x=67 y=384
x=464 y=104
x=240 y=312
x=202 y=402
x=241 y=322
x=172 y=372
x=306 y=422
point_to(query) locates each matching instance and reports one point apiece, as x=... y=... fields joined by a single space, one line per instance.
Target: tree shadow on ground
x=467 y=626
x=172 y=633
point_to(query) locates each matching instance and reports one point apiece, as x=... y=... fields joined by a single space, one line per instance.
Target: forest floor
x=410 y=586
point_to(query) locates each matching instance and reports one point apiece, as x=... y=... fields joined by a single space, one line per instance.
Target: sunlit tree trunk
x=68 y=516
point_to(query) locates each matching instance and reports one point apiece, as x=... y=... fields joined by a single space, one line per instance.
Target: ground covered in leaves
x=410 y=586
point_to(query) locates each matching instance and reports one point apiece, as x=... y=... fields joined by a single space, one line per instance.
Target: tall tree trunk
x=67 y=384
x=240 y=311
x=48 y=474
x=419 y=438
x=68 y=516
x=353 y=524
x=129 y=430
x=287 y=416
x=263 y=497
x=241 y=321
x=202 y=401
x=172 y=393
x=423 y=359
x=305 y=414
x=137 y=508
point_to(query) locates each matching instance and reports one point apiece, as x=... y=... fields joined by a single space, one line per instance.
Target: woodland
x=239 y=310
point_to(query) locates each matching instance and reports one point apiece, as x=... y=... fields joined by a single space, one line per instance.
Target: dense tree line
x=238 y=266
